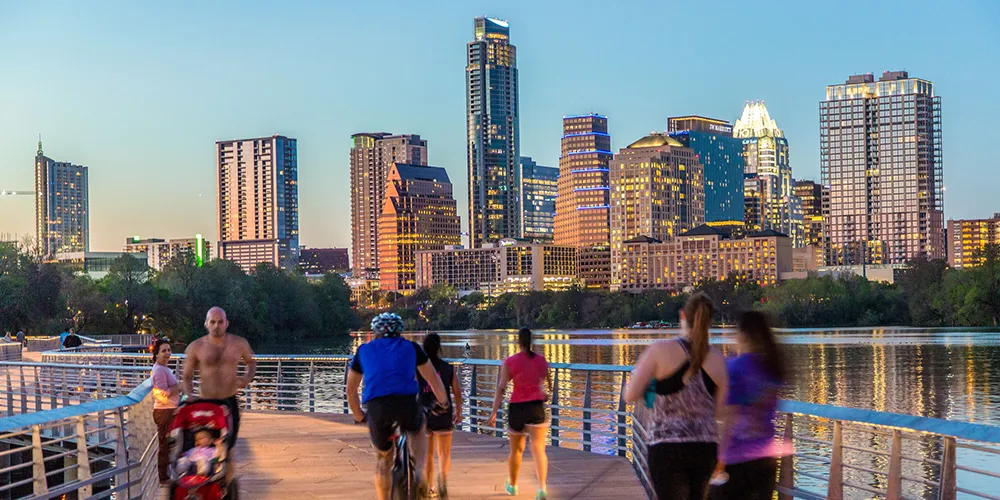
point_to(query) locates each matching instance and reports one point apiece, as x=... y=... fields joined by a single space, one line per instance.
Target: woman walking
x=750 y=449
x=440 y=427
x=688 y=381
x=166 y=396
x=526 y=411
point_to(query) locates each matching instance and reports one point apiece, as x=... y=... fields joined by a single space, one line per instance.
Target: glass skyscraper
x=538 y=191
x=62 y=221
x=492 y=129
x=721 y=155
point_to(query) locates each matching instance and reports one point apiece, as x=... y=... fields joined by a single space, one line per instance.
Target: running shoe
x=511 y=489
x=541 y=495
x=442 y=490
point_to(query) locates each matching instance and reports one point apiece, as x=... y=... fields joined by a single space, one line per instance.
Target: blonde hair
x=698 y=313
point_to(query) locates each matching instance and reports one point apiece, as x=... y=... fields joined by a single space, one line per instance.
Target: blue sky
x=140 y=91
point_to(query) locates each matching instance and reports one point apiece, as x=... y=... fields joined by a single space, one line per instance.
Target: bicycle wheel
x=402 y=472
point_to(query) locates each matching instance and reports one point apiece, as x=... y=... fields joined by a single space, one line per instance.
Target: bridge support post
x=40 y=485
x=121 y=454
x=82 y=458
x=786 y=477
x=555 y=408
x=894 y=491
x=835 y=487
x=587 y=402
x=947 y=490
x=621 y=429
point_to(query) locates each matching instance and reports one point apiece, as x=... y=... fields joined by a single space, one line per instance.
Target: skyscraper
x=811 y=196
x=721 y=155
x=657 y=191
x=880 y=155
x=492 y=128
x=765 y=158
x=583 y=214
x=371 y=158
x=62 y=221
x=419 y=214
x=258 y=203
x=538 y=192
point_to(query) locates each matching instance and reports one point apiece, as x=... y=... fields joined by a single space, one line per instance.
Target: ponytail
x=524 y=340
x=698 y=313
x=432 y=347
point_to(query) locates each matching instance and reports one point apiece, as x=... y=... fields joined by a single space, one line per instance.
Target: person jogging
x=440 y=427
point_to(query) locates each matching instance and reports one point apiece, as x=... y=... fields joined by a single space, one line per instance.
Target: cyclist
x=388 y=365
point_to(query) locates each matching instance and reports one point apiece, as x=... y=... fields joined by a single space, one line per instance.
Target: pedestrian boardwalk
x=305 y=456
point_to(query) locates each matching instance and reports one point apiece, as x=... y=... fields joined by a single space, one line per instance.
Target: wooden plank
x=318 y=456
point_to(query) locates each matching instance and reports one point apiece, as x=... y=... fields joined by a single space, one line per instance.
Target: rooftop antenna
x=39 y=144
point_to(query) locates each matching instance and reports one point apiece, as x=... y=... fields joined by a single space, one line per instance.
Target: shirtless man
x=216 y=356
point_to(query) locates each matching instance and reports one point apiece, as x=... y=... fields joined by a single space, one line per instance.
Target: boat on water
x=651 y=325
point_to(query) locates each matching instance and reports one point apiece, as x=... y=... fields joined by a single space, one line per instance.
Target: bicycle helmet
x=388 y=324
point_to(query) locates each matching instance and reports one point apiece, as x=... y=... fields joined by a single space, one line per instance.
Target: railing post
x=473 y=392
x=555 y=407
x=621 y=430
x=121 y=452
x=100 y=386
x=38 y=389
x=10 y=394
x=40 y=483
x=24 y=391
x=499 y=433
x=835 y=487
x=947 y=490
x=277 y=387
x=82 y=458
x=587 y=401
x=786 y=478
x=312 y=389
x=894 y=490
x=347 y=407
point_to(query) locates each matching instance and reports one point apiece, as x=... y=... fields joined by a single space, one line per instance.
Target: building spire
x=39 y=144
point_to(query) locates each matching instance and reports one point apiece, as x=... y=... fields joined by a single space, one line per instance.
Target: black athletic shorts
x=526 y=413
x=387 y=412
x=234 y=414
x=444 y=422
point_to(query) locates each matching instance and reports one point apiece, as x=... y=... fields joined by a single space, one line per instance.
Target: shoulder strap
x=685 y=346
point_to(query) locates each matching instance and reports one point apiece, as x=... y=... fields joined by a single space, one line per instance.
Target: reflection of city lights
x=878 y=362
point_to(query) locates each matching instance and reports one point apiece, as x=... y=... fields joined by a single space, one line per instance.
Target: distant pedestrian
x=72 y=340
x=686 y=379
x=166 y=397
x=8 y=338
x=749 y=448
x=63 y=335
x=20 y=338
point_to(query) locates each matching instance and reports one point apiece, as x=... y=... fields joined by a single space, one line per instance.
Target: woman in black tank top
x=439 y=427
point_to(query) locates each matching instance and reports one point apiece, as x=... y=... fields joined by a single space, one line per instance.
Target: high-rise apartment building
x=766 y=162
x=811 y=196
x=721 y=157
x=62 y=213
x=880 y=155
x=508 y=266
x=968 y=237
x=492 y=128
x=538 y=199
x=419 y=214
x=657 y=191
x=371 y=158
x=159 y=252
x=583 y=207
x=317 y=261
x=258 y=202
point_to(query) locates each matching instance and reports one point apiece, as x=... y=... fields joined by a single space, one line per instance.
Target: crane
x=17 y=193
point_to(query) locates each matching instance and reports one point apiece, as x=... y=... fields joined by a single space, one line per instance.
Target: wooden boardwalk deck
x=312 y=456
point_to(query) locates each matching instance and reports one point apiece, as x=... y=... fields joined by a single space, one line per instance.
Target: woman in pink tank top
x=526 y=414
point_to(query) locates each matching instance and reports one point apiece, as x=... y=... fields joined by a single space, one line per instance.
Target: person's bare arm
x=247 y=356
x=456 y=389
x=190 y=364
x=353 y=400
x=642 y=375
x=502 y=380
x=434 y=380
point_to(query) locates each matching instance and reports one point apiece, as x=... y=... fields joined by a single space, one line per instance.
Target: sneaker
x=511 y=489
x=423 y=490
x=541 y=495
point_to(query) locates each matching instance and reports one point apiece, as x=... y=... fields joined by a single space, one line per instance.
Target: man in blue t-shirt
x=388 y=366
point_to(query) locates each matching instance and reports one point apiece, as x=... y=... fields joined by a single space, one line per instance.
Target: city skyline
x=111 y=128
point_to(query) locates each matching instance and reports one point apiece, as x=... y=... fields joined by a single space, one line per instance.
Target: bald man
x=217 y=356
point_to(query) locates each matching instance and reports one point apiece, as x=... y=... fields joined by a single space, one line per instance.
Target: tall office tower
x=491 y=122
x=258 y=201
x=657 y=191
x=371 y=158
x=765 y=156
x=538 y=194
x=880 y=154
x=419 y=214
x=583 y=214
x=62 y=221
x=811 y=196
x=721 y=156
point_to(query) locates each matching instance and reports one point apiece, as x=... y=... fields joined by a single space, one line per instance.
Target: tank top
x=684 y=416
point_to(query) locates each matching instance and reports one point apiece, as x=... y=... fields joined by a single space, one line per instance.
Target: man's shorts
x=386 y=412
x=234 y=414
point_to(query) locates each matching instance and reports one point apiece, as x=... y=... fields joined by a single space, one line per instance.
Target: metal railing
x=42 y=344
x=96 y=449
x=10 y=351
x=839 y=452
x=132 y=340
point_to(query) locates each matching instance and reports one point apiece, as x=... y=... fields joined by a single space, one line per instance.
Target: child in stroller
x=199 y=451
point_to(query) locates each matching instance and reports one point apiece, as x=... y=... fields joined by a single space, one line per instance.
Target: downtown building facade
x=62 y=206
x=880 y=156
x=657 y=191
x=159 y=252
x=322 y=261
x=258 y=201
x=508 y=266
x=810 y=195
x=538 y=194
x=492 y=132
x=708 y=252
x=721 y=157
x=420 y=214
x=968 y=237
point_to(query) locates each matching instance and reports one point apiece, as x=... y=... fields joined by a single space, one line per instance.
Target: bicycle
x=404 y=485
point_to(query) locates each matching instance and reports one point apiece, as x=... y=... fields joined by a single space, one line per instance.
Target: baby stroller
x=200 y=483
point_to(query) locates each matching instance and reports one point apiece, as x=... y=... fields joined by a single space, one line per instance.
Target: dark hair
x=156 y=347
x=756 y=327
x=432 y=346
x=698 y=313
x=524 y=340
